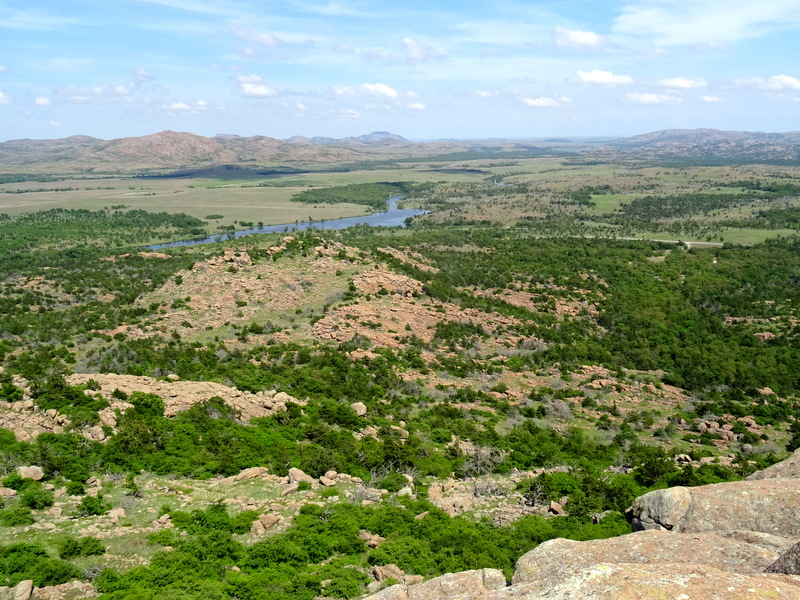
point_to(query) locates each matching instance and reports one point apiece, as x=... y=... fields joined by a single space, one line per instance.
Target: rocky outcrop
x=182 y=395
x=561 y=557
x=627 y=581
x=770 y=506
x=727 y=541
x=469 y=585
x=298 y=475
x=789 y=468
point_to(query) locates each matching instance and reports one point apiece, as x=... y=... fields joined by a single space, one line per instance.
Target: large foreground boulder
x=727 y=541
x=770 y=506
x=560 y=558
x=630 y=581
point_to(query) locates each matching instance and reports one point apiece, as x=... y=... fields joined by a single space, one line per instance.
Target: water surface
x=394 y=217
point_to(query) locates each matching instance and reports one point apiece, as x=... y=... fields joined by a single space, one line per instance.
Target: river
x=394 y=217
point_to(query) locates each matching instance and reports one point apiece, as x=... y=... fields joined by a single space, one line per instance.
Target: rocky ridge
x=27 y=421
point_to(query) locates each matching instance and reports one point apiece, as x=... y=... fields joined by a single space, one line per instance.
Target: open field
x=539 y=191
x=255 y=199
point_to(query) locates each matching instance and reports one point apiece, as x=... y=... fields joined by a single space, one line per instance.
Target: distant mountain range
x=169 y=150
x=712 y=143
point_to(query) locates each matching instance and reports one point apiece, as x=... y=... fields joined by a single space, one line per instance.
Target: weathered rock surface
x=773 y=543
x=786 y=468
x=561 y=557
x=32 y=472
x=469 y=585
x=769 y=506
x=251 y=473
x=23 y=590
x=182 y=395
x=390 y=571
x=297 y=475
x=713 y=542
x=631 y=581
x=788 y=562
x=72 y=590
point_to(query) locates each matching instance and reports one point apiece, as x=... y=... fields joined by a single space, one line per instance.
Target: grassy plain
x=250 y=197
x=533 y=190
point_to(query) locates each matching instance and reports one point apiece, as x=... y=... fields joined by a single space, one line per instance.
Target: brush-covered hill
x=713 y=144
x=170 y=150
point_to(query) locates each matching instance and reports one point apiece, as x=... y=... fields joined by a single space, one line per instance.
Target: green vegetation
x=373 y=195
x=30 y=561
x=323 y=545
x=512 y=329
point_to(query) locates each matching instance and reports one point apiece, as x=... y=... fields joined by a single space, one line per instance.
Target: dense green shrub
x=75 y=488
x=30 y=561
x=86 y=546
x=36 y=497
x=214 y=518
x=93 y=506
x=16 y=515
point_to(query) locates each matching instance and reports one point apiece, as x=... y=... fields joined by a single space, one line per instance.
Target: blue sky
x=424 y=70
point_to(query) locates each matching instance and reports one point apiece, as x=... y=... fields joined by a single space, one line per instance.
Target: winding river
x=394 y=217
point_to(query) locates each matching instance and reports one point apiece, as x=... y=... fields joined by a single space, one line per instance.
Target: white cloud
x=252 y=86
x=575 y=38
x=682 y=83
x=4 y=69
x=257 y=90
x=416 y=106
x=4 y=99
x=257 y=37
x=249 y=79
x=182 y=108
x=370 y=89
x=598 y=77
x=677 y=22
x=418 y=52
x=380 y=89
x=55 y=123
x=546 y=101
x=487 y=93
x=710 y=99
x=43 y=101
x=776 y=83
x=647 y=98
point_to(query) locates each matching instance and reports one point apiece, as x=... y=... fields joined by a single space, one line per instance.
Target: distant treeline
x=21 y=177
x=373 y=195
